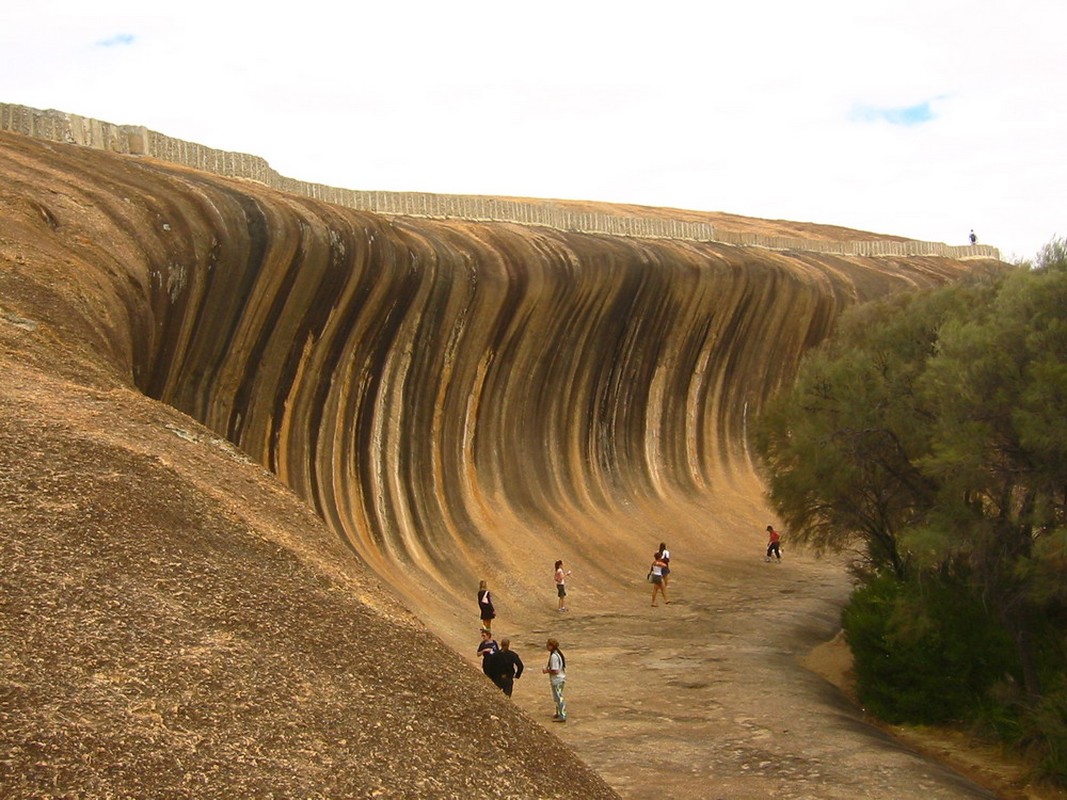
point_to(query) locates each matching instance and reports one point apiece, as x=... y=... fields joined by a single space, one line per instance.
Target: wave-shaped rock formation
x=454 y=399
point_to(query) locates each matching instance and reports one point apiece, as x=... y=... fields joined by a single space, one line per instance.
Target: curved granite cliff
x=454 y=399
x=416 y=380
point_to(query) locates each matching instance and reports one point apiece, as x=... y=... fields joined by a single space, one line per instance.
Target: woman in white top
x=658 y=584
x=665 y=557
x=561 y=585
x=557 y=678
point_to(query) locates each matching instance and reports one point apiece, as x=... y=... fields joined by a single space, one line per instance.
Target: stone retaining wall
x=137 y=140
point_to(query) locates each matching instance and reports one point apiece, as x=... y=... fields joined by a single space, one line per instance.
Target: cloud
x=905 y=116
x=118 y=40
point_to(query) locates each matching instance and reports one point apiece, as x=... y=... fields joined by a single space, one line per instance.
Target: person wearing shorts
x=659 y=585
x=665 y=557
x=561 y=586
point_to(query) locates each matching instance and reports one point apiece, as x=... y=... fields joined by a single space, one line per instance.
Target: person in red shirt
x=773 y=546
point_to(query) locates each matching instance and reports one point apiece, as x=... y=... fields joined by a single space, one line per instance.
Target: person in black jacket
x=506 y=666
x=487 y=648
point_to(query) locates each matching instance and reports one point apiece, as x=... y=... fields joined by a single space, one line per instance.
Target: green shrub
x=924 y=651
x=1043 y=734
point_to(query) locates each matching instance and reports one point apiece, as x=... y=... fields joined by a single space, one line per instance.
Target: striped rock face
x=446 y=401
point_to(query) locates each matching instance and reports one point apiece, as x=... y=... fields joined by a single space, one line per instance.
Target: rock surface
x=256 y=452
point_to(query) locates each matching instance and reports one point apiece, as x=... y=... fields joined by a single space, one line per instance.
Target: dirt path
x=707 y=696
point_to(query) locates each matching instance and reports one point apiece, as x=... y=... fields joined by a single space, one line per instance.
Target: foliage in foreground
x=928 y=437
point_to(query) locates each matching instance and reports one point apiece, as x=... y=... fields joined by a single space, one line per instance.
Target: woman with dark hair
x=665 y=557
x=557 y=678
x=561 y=585
x=774 y=545
x=487 y=648
x=656 y=576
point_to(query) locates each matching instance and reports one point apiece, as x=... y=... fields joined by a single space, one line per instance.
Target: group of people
x=500 y=663
x=503 y=666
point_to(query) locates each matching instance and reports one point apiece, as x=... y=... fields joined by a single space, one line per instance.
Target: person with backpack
x=557 y=678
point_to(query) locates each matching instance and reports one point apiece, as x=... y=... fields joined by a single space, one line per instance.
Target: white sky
x=920 y=118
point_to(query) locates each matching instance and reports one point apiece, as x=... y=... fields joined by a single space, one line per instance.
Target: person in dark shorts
x=561 y=585
x=774 y=545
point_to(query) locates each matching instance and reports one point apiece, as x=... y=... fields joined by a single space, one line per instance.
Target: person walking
x=485 y=606
x=773 y=544
x=487 y=648
x=557 y=678
x=507 y=667
x=561 y=585
x=656 y=576
x=665 y=557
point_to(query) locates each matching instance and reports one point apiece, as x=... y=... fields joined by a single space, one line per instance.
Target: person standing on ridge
x=972 y=237
x=485 y=606
x=507 y=667
x=773 y=544
x=557 y=678
x=561 y=585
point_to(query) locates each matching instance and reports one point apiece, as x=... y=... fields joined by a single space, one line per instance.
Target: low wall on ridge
x=137 y=140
